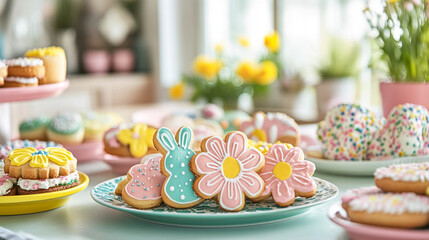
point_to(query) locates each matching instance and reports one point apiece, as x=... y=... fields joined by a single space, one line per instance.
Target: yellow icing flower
x=267 y=73
x=139 y=138
x=272 y=42
x=247 y=70
x=177 y=91
x=219 y=48
x=39 y=158
x=243 y=41
x=207 y=67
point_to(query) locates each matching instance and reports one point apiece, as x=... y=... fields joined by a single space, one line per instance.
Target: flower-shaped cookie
x=228 y=169
x=139 y=139
x=287 y=175
x=40 y=158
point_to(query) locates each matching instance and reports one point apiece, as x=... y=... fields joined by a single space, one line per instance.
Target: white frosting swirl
x=21 y=79
x=24 y=62
x=31 y=184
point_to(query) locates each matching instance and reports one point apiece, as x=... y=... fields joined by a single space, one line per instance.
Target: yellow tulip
x=272 y=42
x=267 y=73
x=244 y=41
x=392 y=1
x=177 y=91
x=207 y=67
x=247 y=70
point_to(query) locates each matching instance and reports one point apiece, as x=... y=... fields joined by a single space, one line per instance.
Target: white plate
x=360 y=168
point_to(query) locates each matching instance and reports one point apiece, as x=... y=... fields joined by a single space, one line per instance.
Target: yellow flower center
x=282 y=170
x=230 y=167
x=260 y=134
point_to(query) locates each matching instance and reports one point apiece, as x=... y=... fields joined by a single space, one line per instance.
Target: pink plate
x=359 y=231
x=120 y=165
x=87 y=151
x=31 y=93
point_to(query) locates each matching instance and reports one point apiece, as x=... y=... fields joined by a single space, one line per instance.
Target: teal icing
x=178 y=186
x=34 y=123
x=66 y=123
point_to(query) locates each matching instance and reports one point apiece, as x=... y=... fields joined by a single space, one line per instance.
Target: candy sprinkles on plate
x=347 y=132
x=404 y=134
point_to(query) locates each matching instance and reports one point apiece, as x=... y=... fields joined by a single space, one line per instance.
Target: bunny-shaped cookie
x=177 y=190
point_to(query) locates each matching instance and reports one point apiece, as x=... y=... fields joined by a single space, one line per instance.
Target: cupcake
x=24 y=72
x=40 y=171
x=66 y=128
x=406 y=133
x=34 y=128
x=54 y=60
x=97 y=123
x=347 y=131
x=129 y=140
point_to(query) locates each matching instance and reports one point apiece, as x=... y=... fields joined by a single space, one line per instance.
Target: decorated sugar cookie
x=411 y=177
x=177 y=152
x=228 y=169
x=144 y=184
x=271 y=128
x=287 y=175
x=406 y=133
x=400 y=210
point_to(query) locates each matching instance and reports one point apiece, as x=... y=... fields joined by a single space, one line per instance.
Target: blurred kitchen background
x=132 y=52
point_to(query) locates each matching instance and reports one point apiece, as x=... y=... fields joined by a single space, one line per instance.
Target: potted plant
x=337 y=74
x=401 y=30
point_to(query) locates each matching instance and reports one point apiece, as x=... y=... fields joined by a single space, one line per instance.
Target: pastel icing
x=23 y=80
x=32 y=185
x=391 y=203
x=270 y=127
x=6 y=182
x=285 y=172
x=24 y=62
x=139 y=138
x=48 y=51
x=412 y=172
x=406 y=133
x=111 y=135
x=66 y=123
x=347 y=131
x=11 y=145
x=264 y=147
x=228 y=169
x=34 y=123
x=146 y=179
x=358 y=192
x=99 y=121
x=40 y=158
x=178 y=185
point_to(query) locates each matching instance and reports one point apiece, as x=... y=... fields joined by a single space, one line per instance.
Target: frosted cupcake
x=347 y=132
x=406 y=133
x=54 y=60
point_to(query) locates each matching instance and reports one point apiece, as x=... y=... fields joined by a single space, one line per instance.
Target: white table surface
x=83 y=218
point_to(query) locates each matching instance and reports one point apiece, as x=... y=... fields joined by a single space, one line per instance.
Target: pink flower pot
x=96 y=61
x=393 y=94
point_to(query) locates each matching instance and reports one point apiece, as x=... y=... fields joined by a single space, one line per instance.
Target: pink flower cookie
x=144 y=184
x=411 y=177
x=287 y=175
x=271 y=128
x=398 y=210
x=406 y=133
x=228 y=169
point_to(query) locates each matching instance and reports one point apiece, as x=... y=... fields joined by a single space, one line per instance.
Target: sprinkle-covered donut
x=406 y=133
x=347 y=131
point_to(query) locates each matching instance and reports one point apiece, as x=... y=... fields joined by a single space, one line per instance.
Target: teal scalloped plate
x=208 y=213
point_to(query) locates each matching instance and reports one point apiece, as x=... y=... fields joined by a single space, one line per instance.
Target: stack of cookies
x=24 y=72
x=398 y=201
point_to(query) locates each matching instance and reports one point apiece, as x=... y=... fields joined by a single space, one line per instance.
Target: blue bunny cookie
x=177 y=190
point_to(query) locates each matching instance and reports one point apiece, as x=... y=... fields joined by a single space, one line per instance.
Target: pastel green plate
x=208 y=213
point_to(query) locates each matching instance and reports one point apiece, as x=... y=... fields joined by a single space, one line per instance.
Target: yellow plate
x=23 y=204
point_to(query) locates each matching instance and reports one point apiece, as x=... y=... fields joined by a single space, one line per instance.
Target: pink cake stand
x=87 y=151
x=359 y=231
x=8 y=95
